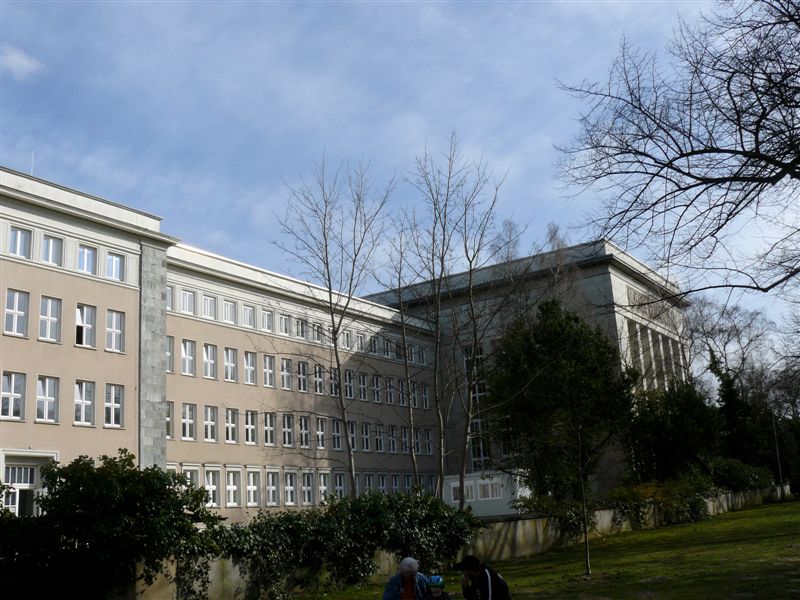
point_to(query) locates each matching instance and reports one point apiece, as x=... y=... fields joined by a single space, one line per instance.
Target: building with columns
x=117 y=335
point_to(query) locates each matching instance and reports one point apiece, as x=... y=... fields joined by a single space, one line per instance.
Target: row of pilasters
x=657 y=357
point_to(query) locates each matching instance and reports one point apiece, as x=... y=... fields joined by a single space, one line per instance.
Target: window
x=52 y=250
x=231 y=426
x=231 y=360
x=288 y=430
x=365 y=437
x=489 y=490
x=402 y=391
x=233 y=487
x=187 y=302
x=169 y=297
x=410 y=355
x=168 y=419
x=289 y=483
x=284 y=325
x=407 y=482
x=269 y=429
x=426 y=401
x=20 y=499
x=376 y=388
x=336 y=434
x=16 y=322
x=187 y=357
x=302 y=376
x=85 y=316
x=360 y=342
x=229 y=311
x=209 y=361
x=188 y=412
x=307 y=487
x=416 y=441
x=209 y=307
x=379 y=433
x=319 y=383
x=324 y=485
x=382 y=483
x=316 y=332
x=273 y=492
x=169 y=353
x=367 y=482
x=210 y=423
x=286 y=373
x=192 y=474
x=338 y=485
x=212 y=487
x=428 y=442
x=301 y=328
x=115 y=331
x=351 y=434
x=321 y=425
x=250 y=368
x=398 y=351
x=362 y=386
x=248 y=316
x=115 y=396
x=421 y=355
x=84 y=402
x=390 y=390
x=46 y=399
x=19 y=243
x=395 y=484
x=387 y=348
x=266 y=319
x=404 y=446
x=50 y=319
x=373 y=345
x=115 y=266
x=87 y=259
x=12 y=405
x=250 y=427
x=334 y=382
x=478 y=447
x=305 y=434
x=347 y=340
x=392 y=438
x=253 y=487
x=348 y=383
x=269 y=370
x=414 y=394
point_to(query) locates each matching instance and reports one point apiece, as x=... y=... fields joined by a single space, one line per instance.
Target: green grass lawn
x=753 y=553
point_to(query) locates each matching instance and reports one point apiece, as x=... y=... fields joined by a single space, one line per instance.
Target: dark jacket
x=488 y=585
x=394 y=588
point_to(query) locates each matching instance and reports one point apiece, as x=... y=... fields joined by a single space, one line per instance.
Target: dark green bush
x=734 y=475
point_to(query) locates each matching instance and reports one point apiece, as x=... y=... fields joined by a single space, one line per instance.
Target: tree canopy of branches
x=689 y=154
x=559 y=394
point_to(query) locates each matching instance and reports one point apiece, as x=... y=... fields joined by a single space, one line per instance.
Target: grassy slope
x=753 y=553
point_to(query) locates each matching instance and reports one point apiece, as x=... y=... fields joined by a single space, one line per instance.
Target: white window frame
x=269 y=429
x=19 y=242
x=85 y=323
x=366 y=438
x=284 y=324
x=382 y=483
x=211 y=479
x=47 y=399
x=231 y=426
x=390 y=390
x=362 y=386
x=188 y=350
x=169 y=297
x=250 y=427
x=169 y=354
x=304 y=431
x=210 y=420
x=392 y=431
x=188 y=418
x=115 y=331
x=302 y=376
x=321 y=427
x=248 y=316
x=319 y=379
x=16 y=314
x=428 y=442
x=114 y=405
x=324 y=485
x=210 y=361
x=336 y=434
x=209 y=307
x=233 y=487
x=426 y=401
x=50 y=319
x=348 y=384
x=379 y=437
x=188 y=302
x=376 y=388
x=52 y=250
x=253 y=487
x=290 y=488
x=301 y=328
x=269 y=371
x=288 y=430
x=273 y=487
x=231 y=359
x=250 y=368
x=286 y=373
x=87 y=259
x=169 y=420
x=307 y=487
x=229 y=311
x=267 y=319
x=405 y=442
x=338 y=484
x=115 y=266
x=12 y=405
x=84 y=400
x=352 y=432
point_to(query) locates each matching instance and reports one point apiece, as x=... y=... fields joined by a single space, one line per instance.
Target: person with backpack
x=480 y=582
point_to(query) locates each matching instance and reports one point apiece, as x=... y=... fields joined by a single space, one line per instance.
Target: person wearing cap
x=436 y=588
x=408 y=584
x=480 y=582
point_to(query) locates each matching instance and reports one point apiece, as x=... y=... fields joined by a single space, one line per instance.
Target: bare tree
x=691 y=154
x=333 y=227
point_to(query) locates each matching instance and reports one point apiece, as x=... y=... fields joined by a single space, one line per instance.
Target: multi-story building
x=117 y=336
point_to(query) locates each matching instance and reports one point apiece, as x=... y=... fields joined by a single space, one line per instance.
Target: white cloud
x=17 y=63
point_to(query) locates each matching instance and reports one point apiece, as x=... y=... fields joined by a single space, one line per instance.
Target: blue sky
x=203 y=112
